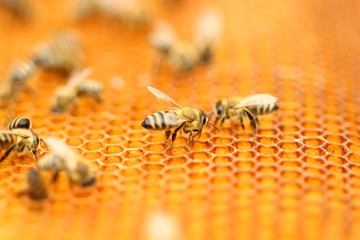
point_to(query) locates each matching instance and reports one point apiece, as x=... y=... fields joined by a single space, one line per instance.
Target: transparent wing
x=79 y=77
x=256 y=100
x=62 y=150
x=162 y=96
x=14 y=133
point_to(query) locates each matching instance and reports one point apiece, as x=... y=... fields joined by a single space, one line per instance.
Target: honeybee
x=66 y=97
x=182 y=55
x=62 y=52
x=64 y=158
x=129 y=11
x=249 y=107
x=188 y=119
x=19 y=137
x=36 y=186
x=16 y=80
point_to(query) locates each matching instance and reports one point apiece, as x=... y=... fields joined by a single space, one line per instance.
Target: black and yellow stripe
x=162 y=120
x=20 y=122
x=264 y=109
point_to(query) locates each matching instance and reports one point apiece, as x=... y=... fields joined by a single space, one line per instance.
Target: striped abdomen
x=264 y=109
x=51 y=162
x=36 y=186
x=21 y=72
x=20 y=122
x=6 y=140
x=163 y=120
x=90 y=88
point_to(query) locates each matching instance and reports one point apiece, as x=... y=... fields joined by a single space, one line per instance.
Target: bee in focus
x=182 y=55
x=66 y=97
x=63 y=158
x=20 y=8
x=249 y=107
x=16 y=80
x=188 y=119
x=62 y=52
x=133 y=12
x=19 y=137
x=36 y=187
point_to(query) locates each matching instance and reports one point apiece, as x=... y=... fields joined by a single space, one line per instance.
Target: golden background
x=296 y=178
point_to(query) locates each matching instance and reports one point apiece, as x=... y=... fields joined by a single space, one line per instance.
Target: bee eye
x=219 y=109
x=203 y=120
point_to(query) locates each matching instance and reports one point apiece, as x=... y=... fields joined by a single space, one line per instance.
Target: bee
x=128 y=11
x=16 y=80
x=36 y=186
x=181 y=55
x=62 y=52
x=19 y=137
x=66 y=97
x=249 y=107
x=188 y=119
x=19 y=8
x=63 y=158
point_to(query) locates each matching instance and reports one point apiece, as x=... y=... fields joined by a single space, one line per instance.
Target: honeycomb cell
x=222 y=141
x=156 y=147
x=154 y=157
x=267 y=141
x=112 y=149
x=289 y=128
x=244 y=145
x=198 y=166
x=198 y=146
x=221 y=170
x=291 y=164
x=313 y=152
x=267 y=150
x=175 y=151
x=335 y=138
x=354 y=158
x=92 y=145
x=336 y=159
x=335 y=149
x=200 y=156
x=311 y=133
x=245 y=165
x=313 y=142
x=290 y=146
x=74 y=141
x=92 y=155
x=266 y=159
x=111 y=159
x=134 y=144
x=222 y=150
x=133 y=153
x=222 y=160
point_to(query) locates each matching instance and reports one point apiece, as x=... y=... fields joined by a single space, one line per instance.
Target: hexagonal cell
x=314 y=171
x=354 y=158
x=267 y=132
x=313 y=152
x=266 y=169
x=290 y=146
x=176 y=161
x=113 y=139
x=133 y=153
x=202 y=176
x=336 y=159
x=267 y=183
x=153 y=167
x=353 y=138
x=336 y=169
x=313 y=141
x=196 y=146
x=311 y=133
x=288 y=136
x=73 y=132
x=289 y=120
x=220 y=180
x=335 y=138
x=289 y=128
x=290 y=174
x=266 y=159
x=94 y=155
x=114 y=131
x=154 y=157
x=222 y=160
x=175 y=171
x=134 y=143
x=133 y=162
x=94 y=136
x=290 y=164
x=74 y=141
x=355 y=148
x=245 y=165
x=222 y=150
x=196 y=166
x=245 y=155
x=200 y=156
x=244 y=145
x=267 y=141
x=267 y=150
x=112 y=149
x=335 y=149
x=156 y=147
x=176 y=151
x=313 y=161
x=219 y=141
x=314 y=181
x=310 y=125
x=112 y=159
x=131 y=172
x=221 y=170
x=92 y=145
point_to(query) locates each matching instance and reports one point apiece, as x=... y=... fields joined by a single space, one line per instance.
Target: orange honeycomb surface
x=296 y=178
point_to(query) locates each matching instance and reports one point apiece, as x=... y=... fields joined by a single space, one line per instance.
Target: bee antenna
x=214 y=126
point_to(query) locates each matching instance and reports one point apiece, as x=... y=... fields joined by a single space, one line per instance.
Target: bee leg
x=216 y=120
x=55 y=176
x=173 y=136
x=222 y=122
x=167 y=135
x=252 y=118
x=242 y=122
x=8 y=151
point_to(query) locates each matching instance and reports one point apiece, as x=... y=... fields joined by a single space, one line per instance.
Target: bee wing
x=162 y=96
x=79 y=77
x=59 y=148
x=255 y=100
x=208 y=28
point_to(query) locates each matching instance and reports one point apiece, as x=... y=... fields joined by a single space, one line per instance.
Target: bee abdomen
x=36 y=186
x=6 y=139
x=51 y=163
x=91 y=88
x=20 y=122
x=265 y=109
x=157 y=121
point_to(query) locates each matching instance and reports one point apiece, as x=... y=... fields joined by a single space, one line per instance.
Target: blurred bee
x=249 y=107
x=16 y=80
x=129 y=11
x=63 y=53
x=182 y=55
x=188 y=119
x=64 y=158
x=20 y=8
x=36 y=186
x=66 y=97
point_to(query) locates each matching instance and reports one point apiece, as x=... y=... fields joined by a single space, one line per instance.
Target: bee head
x=219 y=109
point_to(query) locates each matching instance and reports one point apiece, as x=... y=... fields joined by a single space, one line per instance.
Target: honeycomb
x=298 y=177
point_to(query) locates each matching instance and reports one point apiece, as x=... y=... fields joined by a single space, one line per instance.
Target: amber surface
x=298 y=177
